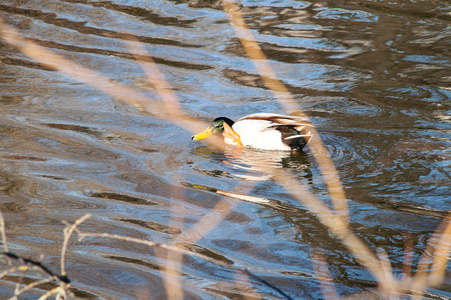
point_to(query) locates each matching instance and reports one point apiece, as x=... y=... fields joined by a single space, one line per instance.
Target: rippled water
x=374 y=76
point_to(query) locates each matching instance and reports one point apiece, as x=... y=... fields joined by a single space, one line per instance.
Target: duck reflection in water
x=253 y=164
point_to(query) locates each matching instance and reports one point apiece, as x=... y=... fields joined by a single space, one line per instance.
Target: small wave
x=348 y=15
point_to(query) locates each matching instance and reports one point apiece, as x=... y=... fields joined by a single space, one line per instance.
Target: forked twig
x=29 y=286
x=67 y=234
x=58 y=291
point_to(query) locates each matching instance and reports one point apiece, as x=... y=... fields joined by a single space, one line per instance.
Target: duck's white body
x=262 y=131
x=255 y=134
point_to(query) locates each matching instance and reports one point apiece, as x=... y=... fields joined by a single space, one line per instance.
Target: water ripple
x=347 y=15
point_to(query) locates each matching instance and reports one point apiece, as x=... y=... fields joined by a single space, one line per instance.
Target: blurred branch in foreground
x=96 y=80
x=269 y=76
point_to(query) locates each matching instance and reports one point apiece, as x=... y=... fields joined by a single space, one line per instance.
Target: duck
x=264 y=131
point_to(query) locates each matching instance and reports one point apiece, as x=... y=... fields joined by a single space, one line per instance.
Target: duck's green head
x=216 y=127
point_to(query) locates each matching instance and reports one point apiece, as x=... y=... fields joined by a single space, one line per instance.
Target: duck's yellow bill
x=204 y=134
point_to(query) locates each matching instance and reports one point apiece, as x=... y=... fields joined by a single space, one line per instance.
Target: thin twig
x=435 y=254
x=60 y=293
x=83 y=236
x=392 y=286
x=408 y=258
x=441 y=254
x=30 y=286
x=67 y=234
x=3 y=232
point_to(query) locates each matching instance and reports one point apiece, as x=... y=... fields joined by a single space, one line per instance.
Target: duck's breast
x=259 y=134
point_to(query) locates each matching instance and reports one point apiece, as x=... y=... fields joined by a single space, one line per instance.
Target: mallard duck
x=261 y=131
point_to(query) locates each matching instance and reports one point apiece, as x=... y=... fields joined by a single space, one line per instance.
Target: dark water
x=374 y=76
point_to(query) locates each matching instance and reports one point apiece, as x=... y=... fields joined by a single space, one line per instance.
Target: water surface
x=374 y=76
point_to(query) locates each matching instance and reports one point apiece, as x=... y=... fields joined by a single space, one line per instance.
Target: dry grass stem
x=435 y=258
x=259 y=59
x=268 y=75
x=207 y=223
x=323 y=275
x=172 y=105
x=76 y=71
x=408 y=259
x=337 y=226
x=172 y=269
x=391 y=287
x=102 y=83
x=3 y=232
x=162 y=86
x=174 y=109
x=441 y=253
x=174 y=260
